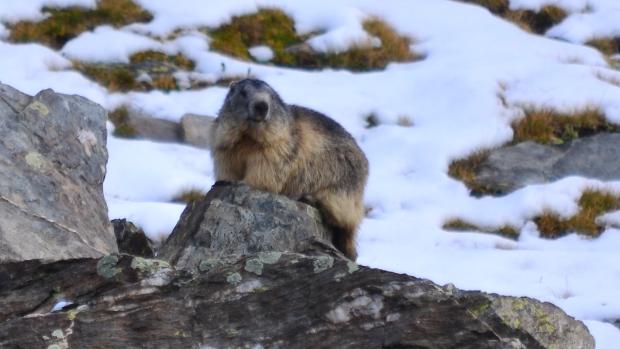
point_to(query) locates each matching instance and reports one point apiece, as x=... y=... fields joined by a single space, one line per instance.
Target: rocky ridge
x=242 y=269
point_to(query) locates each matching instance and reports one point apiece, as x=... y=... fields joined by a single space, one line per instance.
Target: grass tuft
x=120 y=118
x=547 y=126
x=466 y=169
x=177 y=60
x=273 y=28
x=63 y=24
x=533 y=21
x=125 y=77
x=114 y=77
x=592 y=204
x=537 y=22
x=608 y=46
x=372 y=120
x=189 y=195
x=457 y=224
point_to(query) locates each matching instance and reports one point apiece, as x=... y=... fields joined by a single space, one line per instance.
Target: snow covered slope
x=451 y=97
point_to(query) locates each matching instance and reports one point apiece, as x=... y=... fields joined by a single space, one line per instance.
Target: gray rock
x=233 y=219
x=52 y=165
x=263 y=301
x=283 y=287
x=132 y=240
x=148 y=127
x=517 y=166
x=196 y=129
x=513 y=167
x=594 y=157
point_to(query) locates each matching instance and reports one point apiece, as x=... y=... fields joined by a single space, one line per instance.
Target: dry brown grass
x=124 y=77
x=177 y=60
x=189 y=195
x=63 y=24
x=114 y=77
x=457 y=224
x=275 y=29
x=122 y=128
x=465 y=170
x=592 y=204
x=608 y=46
x=533 y=21
x=404 y=121
x=537 y=22
x=548 y=126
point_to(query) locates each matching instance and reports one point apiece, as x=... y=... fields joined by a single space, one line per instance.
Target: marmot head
x=255 y=104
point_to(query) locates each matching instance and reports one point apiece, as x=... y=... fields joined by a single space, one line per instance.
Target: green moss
x=322 y=263
x=63 y=24
x=479 y=309
x=106 y=266
x=275 y=29
x=148 y=266
x=233 y=278
x=253 y=265
x=120 y=118
x=269 y=257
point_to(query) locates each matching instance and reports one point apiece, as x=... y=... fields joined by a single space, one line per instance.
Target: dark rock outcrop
x=513 y=167
x=259 y=291
x=52 y=165
x=233 y=219
x=132 y=240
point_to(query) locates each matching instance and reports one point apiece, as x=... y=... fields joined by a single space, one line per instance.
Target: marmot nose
x=260 y=110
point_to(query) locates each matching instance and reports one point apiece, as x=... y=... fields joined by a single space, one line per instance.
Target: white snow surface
x=108 y=45
x=261 y=53
x=587 y=19
x=452 y=97
x=16 y=10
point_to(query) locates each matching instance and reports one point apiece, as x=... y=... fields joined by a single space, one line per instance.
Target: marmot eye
x=243 y=93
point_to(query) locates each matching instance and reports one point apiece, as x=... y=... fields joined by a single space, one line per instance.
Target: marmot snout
x=294 y=151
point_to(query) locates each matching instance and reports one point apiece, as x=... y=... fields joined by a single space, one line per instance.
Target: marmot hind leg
x=343 y=212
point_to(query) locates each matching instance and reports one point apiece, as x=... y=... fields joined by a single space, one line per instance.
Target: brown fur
x=294 y=151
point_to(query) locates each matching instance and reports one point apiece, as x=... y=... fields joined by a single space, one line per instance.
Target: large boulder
x=513 y=167
x=52 y=165
x=259 y=291
x=233 y=219
x=196 y=129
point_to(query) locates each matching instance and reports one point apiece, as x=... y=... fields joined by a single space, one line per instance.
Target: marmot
x=294 y=151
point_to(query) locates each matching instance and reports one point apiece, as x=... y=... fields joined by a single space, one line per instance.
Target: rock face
x=513 y=167
x=52 y=165
x=233 y=219
x=196 y=129
x=132 y=240
x=259 y=292
x=152 y=128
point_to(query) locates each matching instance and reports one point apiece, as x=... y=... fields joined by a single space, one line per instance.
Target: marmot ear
x=233 y=83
